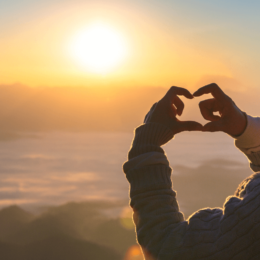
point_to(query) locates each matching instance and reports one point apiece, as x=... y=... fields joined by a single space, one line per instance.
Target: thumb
x=213 y=126
x=189 y=126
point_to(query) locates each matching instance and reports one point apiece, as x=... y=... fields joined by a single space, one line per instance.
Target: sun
x=99 y=48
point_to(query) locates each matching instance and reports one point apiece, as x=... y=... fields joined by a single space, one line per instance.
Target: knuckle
x=172 y=89
x=229 y=99
x=215 y=85
x=228 y=102
x=201 y=104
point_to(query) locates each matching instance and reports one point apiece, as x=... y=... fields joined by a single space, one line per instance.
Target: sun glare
x=99 y=48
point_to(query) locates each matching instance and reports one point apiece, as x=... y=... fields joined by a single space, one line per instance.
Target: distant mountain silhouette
x=57 y=248
x=71 y=231
x=84 y=230
x=12 y=220
x=207 y=185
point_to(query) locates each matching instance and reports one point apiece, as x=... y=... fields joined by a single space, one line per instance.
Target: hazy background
x=65 y=130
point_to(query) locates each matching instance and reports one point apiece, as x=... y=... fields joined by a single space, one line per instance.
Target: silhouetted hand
x=231 y=120
x=165 y=111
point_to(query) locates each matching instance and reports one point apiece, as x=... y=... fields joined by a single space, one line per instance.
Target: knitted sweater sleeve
x=249 y=142
x=229 y=233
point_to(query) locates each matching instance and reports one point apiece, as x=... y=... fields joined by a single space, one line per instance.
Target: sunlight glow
x=99 y=48
x=126 y=220
x=134 y=253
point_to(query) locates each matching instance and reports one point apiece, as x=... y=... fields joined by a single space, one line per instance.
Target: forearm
x=156 y=211
x=152 y=198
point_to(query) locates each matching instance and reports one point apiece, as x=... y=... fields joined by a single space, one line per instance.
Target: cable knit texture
x=148 y=138
x=145 y=159
x=213 y=234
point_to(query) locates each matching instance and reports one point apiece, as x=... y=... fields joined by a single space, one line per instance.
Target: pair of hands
x=231 y=120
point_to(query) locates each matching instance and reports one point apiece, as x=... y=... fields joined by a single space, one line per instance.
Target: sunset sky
x=148 y=43
x=78 y=76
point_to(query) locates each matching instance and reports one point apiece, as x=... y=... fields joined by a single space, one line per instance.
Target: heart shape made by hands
x=230 y=120
x=191 y=110
x=218 y=110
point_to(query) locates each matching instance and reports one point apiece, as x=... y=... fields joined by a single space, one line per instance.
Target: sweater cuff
x=149 y=178
x=249 y=141
x=152 y=133
x=145 y=159
x=148 y=138
x=254 y=159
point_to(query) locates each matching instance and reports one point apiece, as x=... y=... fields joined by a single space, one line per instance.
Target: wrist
x=153 y=134
x=148 y=138
x=250 y=138
x=241 y=126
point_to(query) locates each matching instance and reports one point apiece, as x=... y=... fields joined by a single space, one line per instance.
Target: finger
x=172 y=111
x=173 y=91
x=213 y=89
x=190 y=126
x=213 y=127
x=207 y=107
x=178 y=104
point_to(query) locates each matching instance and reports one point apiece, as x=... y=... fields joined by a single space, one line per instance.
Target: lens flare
x=126 y=220
x=134 y=253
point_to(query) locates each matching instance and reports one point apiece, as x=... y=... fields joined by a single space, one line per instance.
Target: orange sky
x=163 y=48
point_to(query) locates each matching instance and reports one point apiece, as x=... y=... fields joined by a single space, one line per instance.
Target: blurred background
x=76 y=78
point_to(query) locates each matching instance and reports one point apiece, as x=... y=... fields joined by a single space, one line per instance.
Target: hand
x=165 y=111
x=231 y=120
